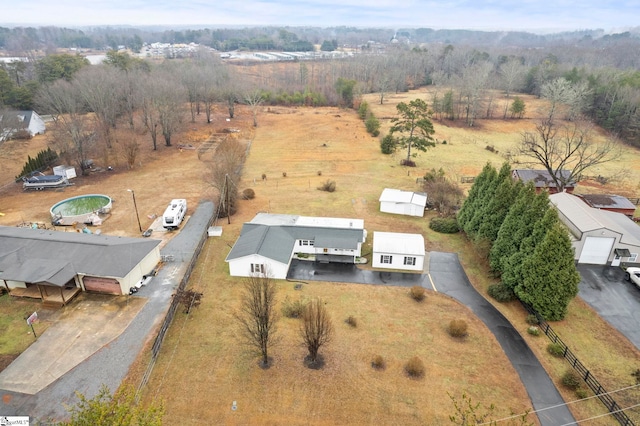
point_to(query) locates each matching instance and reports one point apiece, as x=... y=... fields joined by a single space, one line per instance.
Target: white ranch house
x=406 y=203
x=268 y=243
x=600 y=237
x=394 y=250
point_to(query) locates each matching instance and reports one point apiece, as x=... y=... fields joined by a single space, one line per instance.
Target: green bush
x=248 y=194
x=378 y=363
x=571 y=380
x=363 y=109
x=293 y=308
x=458 y=328
x=352 y=321
x=444 y=225
x=501 y=292
x=328 y=186
x=417 y=293
x=414 y=368
x=388 y=145
x=373 y=125
x=555 y=349
x=532 y=319
x=581 y=393
x=533 y=330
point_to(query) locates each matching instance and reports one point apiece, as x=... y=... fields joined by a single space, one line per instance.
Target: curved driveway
x=447 y=276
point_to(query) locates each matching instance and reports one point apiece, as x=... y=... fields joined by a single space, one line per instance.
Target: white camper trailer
x=174 y=214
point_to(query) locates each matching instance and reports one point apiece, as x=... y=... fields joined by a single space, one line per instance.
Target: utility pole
x=135 y=206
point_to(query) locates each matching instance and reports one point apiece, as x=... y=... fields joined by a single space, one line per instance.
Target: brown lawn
x=203 y=368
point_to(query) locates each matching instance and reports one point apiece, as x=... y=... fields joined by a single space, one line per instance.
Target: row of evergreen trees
x=43 y=160
x=527 y=246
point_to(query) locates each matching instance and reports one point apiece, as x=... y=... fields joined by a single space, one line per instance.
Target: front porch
x=51 y=296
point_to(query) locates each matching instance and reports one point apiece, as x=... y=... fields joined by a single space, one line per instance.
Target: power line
x=565 y=404
x=602 y=415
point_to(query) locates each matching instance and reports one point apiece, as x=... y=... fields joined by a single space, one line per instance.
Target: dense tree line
x=526 y=244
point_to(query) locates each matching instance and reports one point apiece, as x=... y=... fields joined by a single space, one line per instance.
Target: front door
x=616 y=260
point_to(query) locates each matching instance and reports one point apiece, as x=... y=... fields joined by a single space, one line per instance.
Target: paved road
x=110 y=364
x=615 y=300
x=447 y=276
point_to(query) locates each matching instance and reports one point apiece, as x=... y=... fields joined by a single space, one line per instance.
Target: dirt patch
x=5 y=360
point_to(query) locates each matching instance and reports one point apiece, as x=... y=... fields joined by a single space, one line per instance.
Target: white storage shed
x=393 y=250
x=406 y=203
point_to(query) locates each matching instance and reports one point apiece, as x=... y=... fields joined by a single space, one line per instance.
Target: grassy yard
x=203 y=368
x=16 y=335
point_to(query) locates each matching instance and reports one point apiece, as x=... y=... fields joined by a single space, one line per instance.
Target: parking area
x=616 y=300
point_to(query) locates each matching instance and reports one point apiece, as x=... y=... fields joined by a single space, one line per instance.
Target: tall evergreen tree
x=499 y=206
x=512 y=274
x=482 y=209
x=466 y=211
x=551 y=279
x=513 y=230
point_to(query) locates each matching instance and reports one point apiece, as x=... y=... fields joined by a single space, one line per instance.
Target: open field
x=203 y=369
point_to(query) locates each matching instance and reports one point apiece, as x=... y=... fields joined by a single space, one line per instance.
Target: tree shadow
x=314 y=365
x=267 y=365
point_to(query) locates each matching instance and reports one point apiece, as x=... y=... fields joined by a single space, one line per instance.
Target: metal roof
x=33 y=255
x=541 y=178
x=608 y=201
x=390 y=195
x=395 y=242
x=587 y=218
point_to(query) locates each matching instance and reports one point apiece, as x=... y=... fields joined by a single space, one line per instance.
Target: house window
x=633 y=257
x=386 y=259
x=410 y=261
x=257 y=268
x=305 y=242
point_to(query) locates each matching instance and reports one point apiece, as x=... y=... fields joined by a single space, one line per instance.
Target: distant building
x=14 y=122
x=542 y=179
x=613 y=203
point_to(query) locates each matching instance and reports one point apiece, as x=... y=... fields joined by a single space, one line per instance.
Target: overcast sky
x=528 y=15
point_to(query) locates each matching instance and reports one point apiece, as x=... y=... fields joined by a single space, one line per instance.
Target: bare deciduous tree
x=257 y=315
x=254 y=99
x=569 y=147
x=316 y=329
x=224 y=174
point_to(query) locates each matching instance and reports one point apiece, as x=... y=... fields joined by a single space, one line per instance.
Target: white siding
x=241 y=267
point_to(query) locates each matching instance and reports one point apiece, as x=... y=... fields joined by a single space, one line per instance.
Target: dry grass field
x=203 y=368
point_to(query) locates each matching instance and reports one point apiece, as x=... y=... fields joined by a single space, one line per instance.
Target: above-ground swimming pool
x=81 y=209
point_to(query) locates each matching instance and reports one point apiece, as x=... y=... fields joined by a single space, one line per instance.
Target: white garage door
x=596 y=250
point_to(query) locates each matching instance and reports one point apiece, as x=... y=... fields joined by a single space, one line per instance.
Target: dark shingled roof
x=541 y=178
x=54 y=257
x=602 y=201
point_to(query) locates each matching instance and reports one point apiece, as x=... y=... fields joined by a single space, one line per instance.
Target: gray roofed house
x=269 y=242
x=53 y=265
x=13 y=122
x=542 y=179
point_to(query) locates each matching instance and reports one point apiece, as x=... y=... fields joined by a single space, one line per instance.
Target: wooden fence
x=613 y=407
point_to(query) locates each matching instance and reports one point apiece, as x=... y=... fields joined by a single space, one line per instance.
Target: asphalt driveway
x=447 y=276
x=616 y=300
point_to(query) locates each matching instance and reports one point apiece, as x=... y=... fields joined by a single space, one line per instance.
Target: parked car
x=633 y=275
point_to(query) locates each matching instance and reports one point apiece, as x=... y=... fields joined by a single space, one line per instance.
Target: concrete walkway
x=110 y=364
x=447 y=276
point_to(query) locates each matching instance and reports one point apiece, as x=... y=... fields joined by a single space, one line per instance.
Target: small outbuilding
x=600 y=237
x=406 y=203
x=542 y=179
x=612 y=203
x=394 y=250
